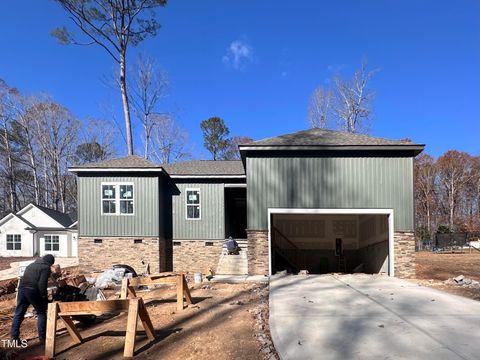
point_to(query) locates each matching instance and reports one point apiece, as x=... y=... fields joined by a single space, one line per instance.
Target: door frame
x=388 y=212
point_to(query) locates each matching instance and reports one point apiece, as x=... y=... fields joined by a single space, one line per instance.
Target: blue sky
x=255 y=64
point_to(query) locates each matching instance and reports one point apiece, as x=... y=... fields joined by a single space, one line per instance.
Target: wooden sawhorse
x=162 y=278
x=135 y=308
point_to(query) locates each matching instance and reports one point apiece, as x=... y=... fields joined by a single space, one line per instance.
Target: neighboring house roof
x=74 y=226
x=12 y=215
x=127 y=163
x=62 y=219
x=326 y=139
x=206 y=168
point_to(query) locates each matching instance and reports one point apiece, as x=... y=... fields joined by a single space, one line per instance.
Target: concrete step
x=243 y=271
x=241 y=255
x=234 y=264
x=241 y=246
x=234 y=257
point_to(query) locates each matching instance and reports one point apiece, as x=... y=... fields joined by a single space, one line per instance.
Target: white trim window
x=117 y=199
x=192 y=204
x=52 y=243
x=14 y=242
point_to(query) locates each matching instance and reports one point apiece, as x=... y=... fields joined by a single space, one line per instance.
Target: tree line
x=447 y=193
x=39 y=139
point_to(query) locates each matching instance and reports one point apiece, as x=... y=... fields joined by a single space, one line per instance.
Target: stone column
x=404 y=251
x=257 y=252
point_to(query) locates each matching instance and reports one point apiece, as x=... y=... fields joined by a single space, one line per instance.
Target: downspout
x=33 y=243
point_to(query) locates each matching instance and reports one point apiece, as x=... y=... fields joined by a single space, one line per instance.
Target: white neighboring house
x=36 y=230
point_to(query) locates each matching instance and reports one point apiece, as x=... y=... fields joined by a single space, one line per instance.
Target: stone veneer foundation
x=196 y=255
x=257 y=252
x=123 y=250
x=404 y=253
x=201 y=255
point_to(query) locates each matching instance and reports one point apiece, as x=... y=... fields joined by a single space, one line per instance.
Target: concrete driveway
x=370 y=317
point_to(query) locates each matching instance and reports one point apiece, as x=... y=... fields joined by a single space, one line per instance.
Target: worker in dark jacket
x=232 y=246
x=32 y=290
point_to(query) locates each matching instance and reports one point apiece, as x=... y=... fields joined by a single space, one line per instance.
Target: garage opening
x=325 y=243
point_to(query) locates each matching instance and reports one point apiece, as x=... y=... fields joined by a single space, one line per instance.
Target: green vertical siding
x=330 y=182
x=212 y=222
x=144 y=222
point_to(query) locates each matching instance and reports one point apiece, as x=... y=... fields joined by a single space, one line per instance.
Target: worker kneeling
x=232 y=246
x=32 y=290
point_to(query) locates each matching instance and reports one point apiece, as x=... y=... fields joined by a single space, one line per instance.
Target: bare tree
x=454 y=171
x=350 y=102
x=320 y=107
x=148 y=86
x=7 y=100
x=232 y=153
x=471 y=197
x=354 y=107
x=425 y=189
x=26 y=138
x=113 y=25
x=57 y=131
x=168 y=140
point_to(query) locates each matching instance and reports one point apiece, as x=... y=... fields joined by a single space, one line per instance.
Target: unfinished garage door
x=322 y=242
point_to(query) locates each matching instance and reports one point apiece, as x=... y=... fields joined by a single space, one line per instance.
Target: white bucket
x=197 y=278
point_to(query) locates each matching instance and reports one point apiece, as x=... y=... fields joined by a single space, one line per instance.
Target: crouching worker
x=32 y=290
x=232 y=246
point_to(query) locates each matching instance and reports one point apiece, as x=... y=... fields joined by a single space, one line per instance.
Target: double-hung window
x=117 y=199
x=52 y=243
x=109 y=199
x=192 y=203
x=14 y=242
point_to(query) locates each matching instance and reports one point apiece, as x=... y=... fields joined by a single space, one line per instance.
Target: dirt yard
x=437 y=269
x=5 y=261
x=227 y=321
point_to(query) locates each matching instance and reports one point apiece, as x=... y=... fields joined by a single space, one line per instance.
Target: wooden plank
x=52 y=313
x=188 y=296
x=146 y=321
x=166 y=273
x=180 y=293
x=93 y=307
x=131 y=293
x=138 y=281
x=131 y=328
x=124 y=289
x=72 y=329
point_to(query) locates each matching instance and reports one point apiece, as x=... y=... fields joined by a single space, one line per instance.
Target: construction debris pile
x=8 y=286
x=262 y=332
x=463 y=281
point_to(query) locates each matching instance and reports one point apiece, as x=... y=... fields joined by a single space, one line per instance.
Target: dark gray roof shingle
x=321 y=137
x=62 y=218
x=127 y=162
x=206 y=167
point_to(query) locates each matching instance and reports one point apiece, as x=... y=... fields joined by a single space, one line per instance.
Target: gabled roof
x=206 y=168
x=12 y=215
x=127 y=163
x=74 y=225
x=329 y=139
x=61 y=218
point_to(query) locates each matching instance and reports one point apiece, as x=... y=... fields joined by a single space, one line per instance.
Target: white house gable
x=38 y=218
x=14 y=239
